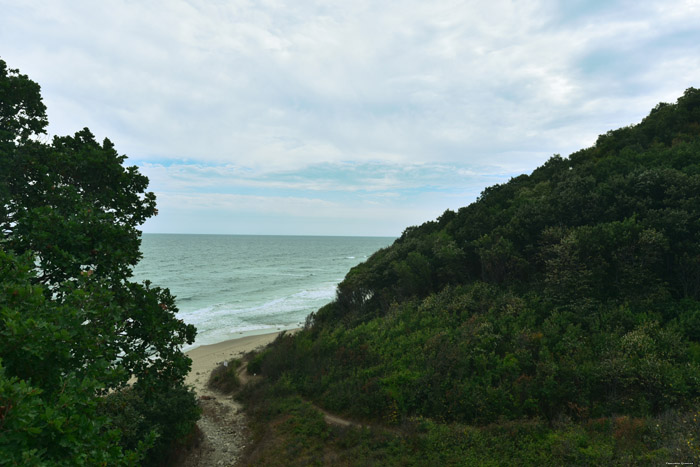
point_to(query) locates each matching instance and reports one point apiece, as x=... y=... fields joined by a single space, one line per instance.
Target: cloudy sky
x=344 y=117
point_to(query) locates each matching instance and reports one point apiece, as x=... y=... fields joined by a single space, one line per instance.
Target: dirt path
x=223 y=423
x=223 y=428
x=335 y=420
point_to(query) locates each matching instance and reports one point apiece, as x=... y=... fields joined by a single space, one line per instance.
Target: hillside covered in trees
x=556 y=320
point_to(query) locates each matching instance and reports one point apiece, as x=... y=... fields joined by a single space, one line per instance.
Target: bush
x=164 y=418
x=224 y=378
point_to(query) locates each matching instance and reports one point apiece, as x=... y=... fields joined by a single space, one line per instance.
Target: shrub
x=224 y=378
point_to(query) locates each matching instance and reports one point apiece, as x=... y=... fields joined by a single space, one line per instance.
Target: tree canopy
x=73 y=328
x=22 y=111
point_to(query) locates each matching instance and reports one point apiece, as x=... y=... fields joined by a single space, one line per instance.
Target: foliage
x=51 y=371
x=224 y=377
x=290 y=431
x=73 y=328
x=571 y=293
x=167 y=416
x=76 y=207
x=22 y=112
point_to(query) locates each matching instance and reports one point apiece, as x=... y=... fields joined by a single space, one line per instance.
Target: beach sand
x=207 y=357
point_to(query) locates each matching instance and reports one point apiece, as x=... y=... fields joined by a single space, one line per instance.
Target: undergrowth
x=289 y=431
x=224 y=378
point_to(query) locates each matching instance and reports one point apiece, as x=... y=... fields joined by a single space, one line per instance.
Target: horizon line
x=269 y=235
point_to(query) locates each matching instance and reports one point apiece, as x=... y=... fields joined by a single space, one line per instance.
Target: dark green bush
x=224 y=378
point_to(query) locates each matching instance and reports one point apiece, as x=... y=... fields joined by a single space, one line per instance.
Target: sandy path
x=223 y=423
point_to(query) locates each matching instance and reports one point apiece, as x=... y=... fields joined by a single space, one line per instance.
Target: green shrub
x=224 y=378
x=165 y=418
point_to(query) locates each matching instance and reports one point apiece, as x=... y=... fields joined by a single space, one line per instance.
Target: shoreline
x=207 y=357
x=234 y=335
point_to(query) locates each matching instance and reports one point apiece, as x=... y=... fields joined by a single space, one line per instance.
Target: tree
x=51 y=369
x=22 y=112
x=72 y=324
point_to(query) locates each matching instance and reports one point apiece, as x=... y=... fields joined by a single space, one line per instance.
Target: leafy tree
x=22 y=112
x=52 y=367
x=73 y=328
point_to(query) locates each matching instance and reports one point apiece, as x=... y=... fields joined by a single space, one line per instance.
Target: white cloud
x=280 y=88
x=375 y=179
x=226 y=213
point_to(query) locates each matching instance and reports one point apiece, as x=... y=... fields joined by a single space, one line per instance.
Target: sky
x=344 y=117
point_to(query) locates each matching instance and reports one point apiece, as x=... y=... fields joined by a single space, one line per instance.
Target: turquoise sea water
x=231 y=285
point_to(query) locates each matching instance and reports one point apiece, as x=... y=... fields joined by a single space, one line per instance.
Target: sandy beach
x=206 y=357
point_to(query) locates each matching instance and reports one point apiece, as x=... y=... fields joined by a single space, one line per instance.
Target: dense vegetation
x=73 y=328
x=556 y=320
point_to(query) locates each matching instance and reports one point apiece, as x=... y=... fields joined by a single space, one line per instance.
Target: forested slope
x=560 y=298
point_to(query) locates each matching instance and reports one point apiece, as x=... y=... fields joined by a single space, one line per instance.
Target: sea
x=230 y=286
